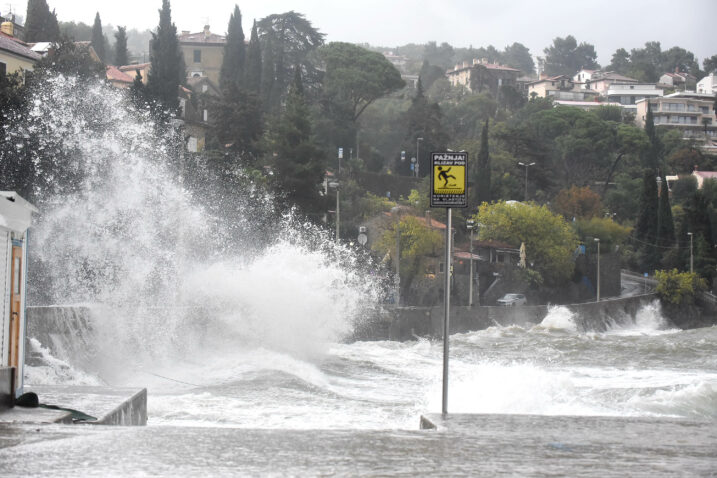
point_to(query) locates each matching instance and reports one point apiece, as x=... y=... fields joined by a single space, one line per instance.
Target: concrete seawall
x=407 y=323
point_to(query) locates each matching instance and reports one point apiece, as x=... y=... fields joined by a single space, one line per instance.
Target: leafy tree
x=232 y=70
x=679 y=288
x=167 y=71
x=40 y=24
x=16 y=171
x=620 y=62
x=357 y=77
x=287 y=41
x=464 y=118
x=608 y=231
x=237 y=120
x=417 y=242
x=298 y=163
x=709 y=65
x=549 y=239
x=441 y=56
x=646 y=63
x=489 y=53
x=578 y=202
x=253 y=69
x=77 y=31
x=121 y=53
x=679 y=59
x=482 y=175
x=518 y=56
x=683 y=161
x=424 y=120
x=69 y=59
x=430 y=73
x=566 y=57
x=98 y=39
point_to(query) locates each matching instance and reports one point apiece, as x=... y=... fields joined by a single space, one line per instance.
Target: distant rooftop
x=204 y=36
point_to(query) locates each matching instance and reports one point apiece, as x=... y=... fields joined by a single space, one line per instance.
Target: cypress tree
x=665 y=224
x=167 y=71
x=482 y=177
x=654 y=151
x=253 y=68
x=299 y=162
x=40 y=24
x=232 y=70
x=98 y=39
x=121 y=53
x=646 y=229
x=268 y=72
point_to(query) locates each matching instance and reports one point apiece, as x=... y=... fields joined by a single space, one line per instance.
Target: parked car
x=512 y=299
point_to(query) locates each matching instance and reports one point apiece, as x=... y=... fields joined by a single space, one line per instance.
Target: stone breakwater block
x=111 y=406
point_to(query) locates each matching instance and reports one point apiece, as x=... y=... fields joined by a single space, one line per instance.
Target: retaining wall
x=407 y=323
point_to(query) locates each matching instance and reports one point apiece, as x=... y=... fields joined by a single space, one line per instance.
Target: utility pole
x=691 y=256
x=470 y=224
x=597 y=239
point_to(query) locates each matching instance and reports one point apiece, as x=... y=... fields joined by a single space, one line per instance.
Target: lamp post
x=335 y=185
x=397 y=281
x=418 y=157
x=597 y=239
x=691 y=256
x=470 y=224
x=526 y=165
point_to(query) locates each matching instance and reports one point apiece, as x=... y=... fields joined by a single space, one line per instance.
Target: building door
x=15 y=309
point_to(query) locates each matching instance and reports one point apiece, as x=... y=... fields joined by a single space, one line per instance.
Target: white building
x=15 y=219
x=707 y=85
x=627 y=95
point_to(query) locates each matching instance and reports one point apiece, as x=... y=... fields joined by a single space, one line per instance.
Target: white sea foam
x=560 y=318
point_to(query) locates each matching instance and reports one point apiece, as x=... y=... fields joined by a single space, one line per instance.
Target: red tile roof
x=114 y=74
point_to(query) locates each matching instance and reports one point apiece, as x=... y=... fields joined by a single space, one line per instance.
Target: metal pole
x=338 y=213
x=691 y=256
x=598 y=270
x=470 y=280
x=526 y=183
x=447 y=301
x=418 y=157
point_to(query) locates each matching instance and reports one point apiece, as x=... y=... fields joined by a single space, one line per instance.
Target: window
x=197 y=56
x=3 y=69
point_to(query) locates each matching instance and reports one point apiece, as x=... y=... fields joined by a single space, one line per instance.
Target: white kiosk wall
x=15 y=219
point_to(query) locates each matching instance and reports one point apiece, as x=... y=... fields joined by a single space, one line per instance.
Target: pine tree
x=482 y=175
x=299 y=162
x=253 y=68
x=232 y=70
x=40 y=24
x=167 y=71
x=98 y=39
x=121 y=53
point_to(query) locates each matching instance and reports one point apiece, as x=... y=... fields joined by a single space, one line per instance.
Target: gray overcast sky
x=609 y=25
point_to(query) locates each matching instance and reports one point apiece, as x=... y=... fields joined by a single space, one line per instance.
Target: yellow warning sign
x=449 y=179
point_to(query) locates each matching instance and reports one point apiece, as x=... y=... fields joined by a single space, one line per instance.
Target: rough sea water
x=248 y=360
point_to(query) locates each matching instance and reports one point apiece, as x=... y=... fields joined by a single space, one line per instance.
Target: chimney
x=465 y=64
x=7 y=28
x=185 y=32
x=206 y=30
x=475 y=61
x=543 y=76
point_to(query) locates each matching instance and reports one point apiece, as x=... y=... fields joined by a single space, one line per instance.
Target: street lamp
x=597 y=239
x=526 y=165
x=335 y=185
x=691 y=256
x=470 y=224
x=418 y=157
